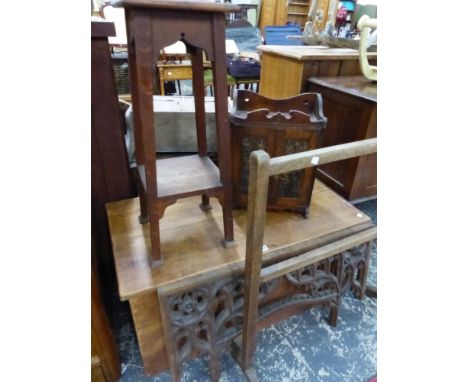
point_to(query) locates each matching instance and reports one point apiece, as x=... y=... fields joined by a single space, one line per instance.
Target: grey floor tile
x=135 y=373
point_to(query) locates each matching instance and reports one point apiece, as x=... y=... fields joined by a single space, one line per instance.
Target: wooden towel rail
x=260 y=169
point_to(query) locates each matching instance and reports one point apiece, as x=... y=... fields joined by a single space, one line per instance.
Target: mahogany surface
x=350 y=104
x=191 y=239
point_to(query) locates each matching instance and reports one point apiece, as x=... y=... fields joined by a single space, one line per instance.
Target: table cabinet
x=280 y=127
x=286 y=69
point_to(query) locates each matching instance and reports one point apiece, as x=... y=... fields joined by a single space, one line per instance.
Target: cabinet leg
x=156 y=258
x=205 y=204
x=222 y=128
x=228 y=224
x=143 y=218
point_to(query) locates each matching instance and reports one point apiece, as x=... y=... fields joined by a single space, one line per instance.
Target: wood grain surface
x=190 y=238
x=307 y=52
x=192 y=5
x=184 y=175
x=357 y=86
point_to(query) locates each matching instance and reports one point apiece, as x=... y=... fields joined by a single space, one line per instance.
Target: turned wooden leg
x=205 y=204
x=228 y=222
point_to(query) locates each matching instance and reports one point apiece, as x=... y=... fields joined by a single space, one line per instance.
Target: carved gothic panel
x=207 y=319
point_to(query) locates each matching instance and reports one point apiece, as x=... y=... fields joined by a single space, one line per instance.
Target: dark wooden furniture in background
x=105 y=366
x=286 y=69
x=110 y=181
x=350 y=104
x=110 y=173
x=151 y=26
x=279 y=127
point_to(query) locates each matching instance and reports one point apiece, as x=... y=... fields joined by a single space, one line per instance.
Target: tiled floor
x=301 y=348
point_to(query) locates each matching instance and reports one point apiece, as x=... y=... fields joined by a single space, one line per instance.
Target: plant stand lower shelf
x=185 y=176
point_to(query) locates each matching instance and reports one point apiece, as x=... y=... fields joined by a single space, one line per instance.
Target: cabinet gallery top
x=186 y=5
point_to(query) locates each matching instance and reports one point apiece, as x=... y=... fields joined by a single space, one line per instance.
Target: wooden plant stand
x=151 y=26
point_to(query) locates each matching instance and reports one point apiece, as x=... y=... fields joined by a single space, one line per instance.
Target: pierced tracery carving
x=208 y=318
x=355 y=266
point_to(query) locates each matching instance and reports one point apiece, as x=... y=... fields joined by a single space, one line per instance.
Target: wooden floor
x=191 y=239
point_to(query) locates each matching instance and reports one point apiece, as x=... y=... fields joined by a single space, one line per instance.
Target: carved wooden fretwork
x=355 y=267
x=206 y=320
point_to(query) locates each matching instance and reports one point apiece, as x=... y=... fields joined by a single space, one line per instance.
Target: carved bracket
x=304 y=111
